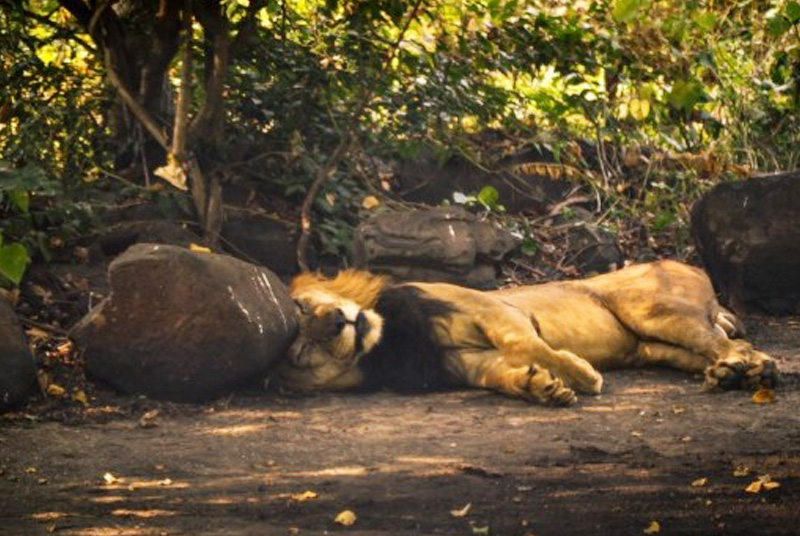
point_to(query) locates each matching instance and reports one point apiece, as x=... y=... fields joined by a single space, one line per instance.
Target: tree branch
x=137 y=109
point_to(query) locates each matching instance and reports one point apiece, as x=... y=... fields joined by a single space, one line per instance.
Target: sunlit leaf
x=700 y=482
x=639 y=109
x=628 y=10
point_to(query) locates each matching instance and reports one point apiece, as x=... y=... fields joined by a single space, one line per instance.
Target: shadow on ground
x=654 y=448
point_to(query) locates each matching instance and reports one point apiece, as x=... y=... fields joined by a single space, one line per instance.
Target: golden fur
x=541 y=342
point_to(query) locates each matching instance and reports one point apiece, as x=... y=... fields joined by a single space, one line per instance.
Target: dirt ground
x=654 y=454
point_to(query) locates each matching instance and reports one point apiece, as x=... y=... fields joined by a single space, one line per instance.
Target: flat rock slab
x=183 y=325
x=438 y=244
x=612 y=465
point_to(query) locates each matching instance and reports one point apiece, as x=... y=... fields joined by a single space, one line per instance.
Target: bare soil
x=655 y=447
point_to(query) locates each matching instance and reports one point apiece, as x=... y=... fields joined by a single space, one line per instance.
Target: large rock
x=264 y=241
x=182 y=325
x=748 y=236
x=17 y=368
x=444 y=244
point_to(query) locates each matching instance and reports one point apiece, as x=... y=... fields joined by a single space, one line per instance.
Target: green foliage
x=663 y=78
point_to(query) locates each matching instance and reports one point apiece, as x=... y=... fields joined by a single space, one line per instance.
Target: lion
x=541 y=342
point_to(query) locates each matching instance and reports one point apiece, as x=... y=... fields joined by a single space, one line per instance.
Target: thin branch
x=136 y=108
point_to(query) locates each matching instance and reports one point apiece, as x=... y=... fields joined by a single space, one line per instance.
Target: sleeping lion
x=542 y=342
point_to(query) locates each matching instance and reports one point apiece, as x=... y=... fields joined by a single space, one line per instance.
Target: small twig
x=42 y=326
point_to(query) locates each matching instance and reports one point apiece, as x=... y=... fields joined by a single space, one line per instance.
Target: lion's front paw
x=548 y=389
x=742 y=368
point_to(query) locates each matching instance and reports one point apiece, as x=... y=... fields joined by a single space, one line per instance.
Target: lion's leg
x=730 y=364
x=512 y=332
x=491 y=369
x=669 y=355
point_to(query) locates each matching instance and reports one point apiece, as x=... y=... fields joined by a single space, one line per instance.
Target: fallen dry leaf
x=653 y=528
x=369 y=202
x=763 y=482
x=346 y=518
x=305 y=496
x=148 y=420
x=764 y=396
x=56 y=390
x=80 y=397
x=741 y=470
x=197 y=248
x=461 y=512
x=480 y=530
x=677 y=410
x=636 y=434
x=700 y=482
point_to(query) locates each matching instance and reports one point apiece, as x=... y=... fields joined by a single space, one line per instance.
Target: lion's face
x=334 y=333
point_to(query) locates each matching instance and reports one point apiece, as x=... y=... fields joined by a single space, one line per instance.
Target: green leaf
x=20 y=199
x=489 y=196
x=793 y=12
x=778 y=25
x=628 y=10
x=13 y=261
x=705 y=20
x=662 y=220
x=685 y=94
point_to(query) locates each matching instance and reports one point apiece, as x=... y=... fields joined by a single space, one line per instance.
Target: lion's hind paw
x=548 y=389
x=748 y=369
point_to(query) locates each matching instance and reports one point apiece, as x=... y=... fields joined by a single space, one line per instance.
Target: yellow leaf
x=741 y=470
x=369 y=202
x=700 y=482
x=197 y=248
x=80 y=397
x=173 y=173
x=764 y=396
x=763 y=482
x=754 y=486
x=330 y=199
x=56 y=390
x=305 y=496
x=639 y=109
x=653 y=528
x=346 y=517
x=461 y=512
x=677 y=410
x=480 y=530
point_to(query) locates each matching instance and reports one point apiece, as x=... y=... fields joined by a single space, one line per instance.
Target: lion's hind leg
x=491 y=369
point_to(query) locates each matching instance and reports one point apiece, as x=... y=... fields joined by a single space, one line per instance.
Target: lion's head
x=337 y=326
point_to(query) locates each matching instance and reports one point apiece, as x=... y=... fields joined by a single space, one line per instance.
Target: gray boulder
x=17 y=368
x=748 y=235
x=182 y=325
x=440 y=244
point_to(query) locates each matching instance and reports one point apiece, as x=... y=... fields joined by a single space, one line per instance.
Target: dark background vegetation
x=306 y=107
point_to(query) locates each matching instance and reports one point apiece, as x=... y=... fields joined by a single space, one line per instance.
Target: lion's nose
x=339 y=320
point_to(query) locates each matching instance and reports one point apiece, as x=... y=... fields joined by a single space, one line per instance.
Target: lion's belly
x=569 y=319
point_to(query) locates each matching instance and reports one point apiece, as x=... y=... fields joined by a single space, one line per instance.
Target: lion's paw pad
x=742 y=374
